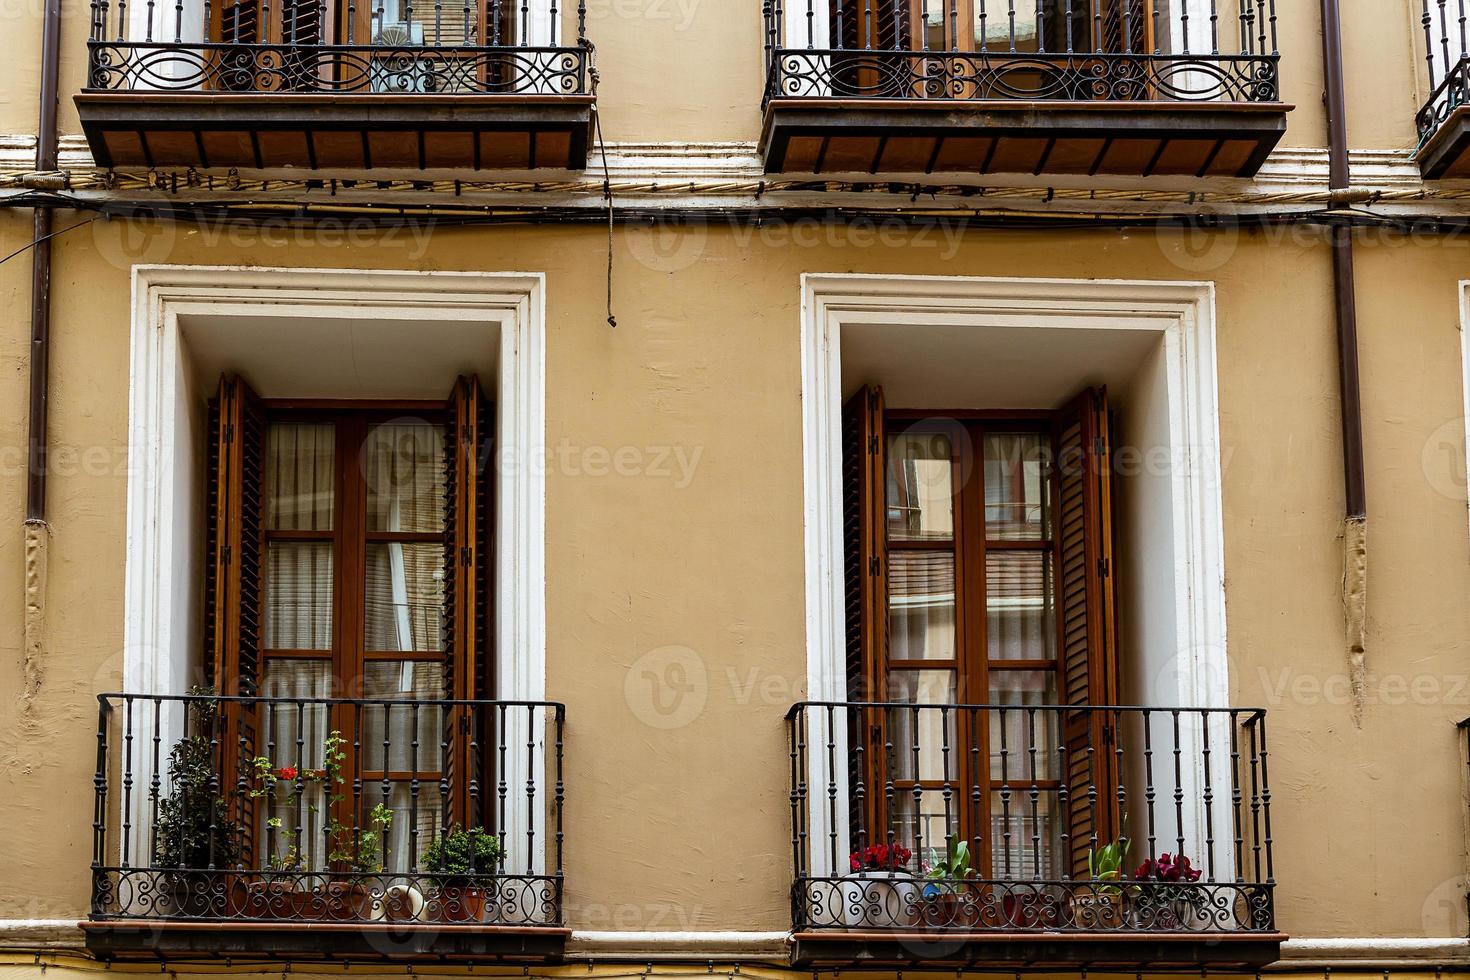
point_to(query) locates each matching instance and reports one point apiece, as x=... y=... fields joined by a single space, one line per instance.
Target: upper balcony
x=1083 y=87
x=1031 y=835
x=1444 y=121
x=342 y=85
x=331 y=827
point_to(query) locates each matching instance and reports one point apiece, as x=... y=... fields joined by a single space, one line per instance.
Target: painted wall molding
x=1410 y=953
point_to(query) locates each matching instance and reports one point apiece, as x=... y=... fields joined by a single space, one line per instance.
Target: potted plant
x=880 y=891
x=361 y=852
x=1166 y=897
x=949 y=897
x=194 y=836
x=458 y=863
x=1101 y=903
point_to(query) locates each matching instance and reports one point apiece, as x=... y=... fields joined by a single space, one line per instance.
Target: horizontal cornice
x=717 y=176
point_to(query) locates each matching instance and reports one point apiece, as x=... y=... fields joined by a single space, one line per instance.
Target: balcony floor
x=260 y=130
x=1198 y=139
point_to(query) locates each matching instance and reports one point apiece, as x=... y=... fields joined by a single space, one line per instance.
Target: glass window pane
x=299 y=481
x=1019 y=605
x=423 y=811
x=921 y=623
x=1023 y=739
x=918 y=738
x=1025 y=835
x=923 y=826
x=403 y=464
x=401 y=680
x=298 y=595
x=1017 y=487
x=291 y=740
x=920 y=489
x=405 y=597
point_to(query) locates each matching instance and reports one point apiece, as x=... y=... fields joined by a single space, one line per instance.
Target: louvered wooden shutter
x=232 y=566
x=232 y=578
x=1127 y=26
x=866 y=600
x=1085 y=624
x=468 y=614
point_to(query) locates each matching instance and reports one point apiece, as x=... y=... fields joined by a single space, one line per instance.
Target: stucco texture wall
x=686 y=827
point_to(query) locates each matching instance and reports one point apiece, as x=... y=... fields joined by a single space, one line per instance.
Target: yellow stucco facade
x=687 y=829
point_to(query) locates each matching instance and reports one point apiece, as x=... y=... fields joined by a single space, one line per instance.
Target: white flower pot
x=878 y=899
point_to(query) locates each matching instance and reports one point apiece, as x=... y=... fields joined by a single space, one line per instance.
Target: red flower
x=286 y=772
x=882 y=857
x=1167 y=868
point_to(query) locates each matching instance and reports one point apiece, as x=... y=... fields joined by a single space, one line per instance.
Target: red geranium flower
x=286 y=772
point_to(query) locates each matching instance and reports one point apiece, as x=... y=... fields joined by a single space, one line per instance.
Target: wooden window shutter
x=468 y=521
x=863 y=486
x=1085 y=618
x=232 y=565
x=1127 y=26
x=232 y=580
x=865 y=598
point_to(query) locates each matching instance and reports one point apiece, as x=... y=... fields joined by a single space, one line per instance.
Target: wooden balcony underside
x=1446 y=154
x=346 y=132
x=816 y=135
x=143 y=939
x=1123 y=951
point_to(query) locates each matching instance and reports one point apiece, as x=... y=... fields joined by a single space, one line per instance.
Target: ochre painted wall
x=688 y=828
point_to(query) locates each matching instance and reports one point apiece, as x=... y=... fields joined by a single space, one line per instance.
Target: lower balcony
x=248 y=84
x=1056 y=87
x=1031 y=836
x=331 y=828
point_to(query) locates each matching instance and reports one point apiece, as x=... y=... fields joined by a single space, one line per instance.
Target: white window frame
x=163 y=563
x=1189 y=638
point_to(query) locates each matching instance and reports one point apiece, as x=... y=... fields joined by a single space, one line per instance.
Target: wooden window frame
x=1078 y=428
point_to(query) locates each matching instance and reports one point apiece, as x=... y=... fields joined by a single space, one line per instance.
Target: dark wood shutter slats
x=866 y=602
x=1084 y=606
x=232 y=575
x=469 y=619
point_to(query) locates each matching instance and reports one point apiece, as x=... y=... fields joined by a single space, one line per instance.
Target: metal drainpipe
x=1355 y=526
x=37 y=532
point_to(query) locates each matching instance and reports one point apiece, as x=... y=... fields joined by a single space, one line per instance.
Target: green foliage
x=1106 y=863
x=193 y=829
x=455 y=855
x=955 y=865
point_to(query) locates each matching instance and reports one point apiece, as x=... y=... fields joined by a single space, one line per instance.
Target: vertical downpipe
x=37 y=531
x=1355 y=525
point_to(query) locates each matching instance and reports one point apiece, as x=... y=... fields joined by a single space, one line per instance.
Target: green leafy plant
x=1105 y=864
x=362 y=850
x=954 y=865
x=193 y=829
x=453 y=857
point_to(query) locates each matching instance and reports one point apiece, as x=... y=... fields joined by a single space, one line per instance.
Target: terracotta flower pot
x=950 y=906
x=1099 y=907
x=460 y=903
x=274 y=900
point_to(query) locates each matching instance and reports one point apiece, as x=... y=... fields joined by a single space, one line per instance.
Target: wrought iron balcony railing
x=1029 y=819
x=346 y=47
x=1023 y=50
x=1447 y=51
x=302 y=810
